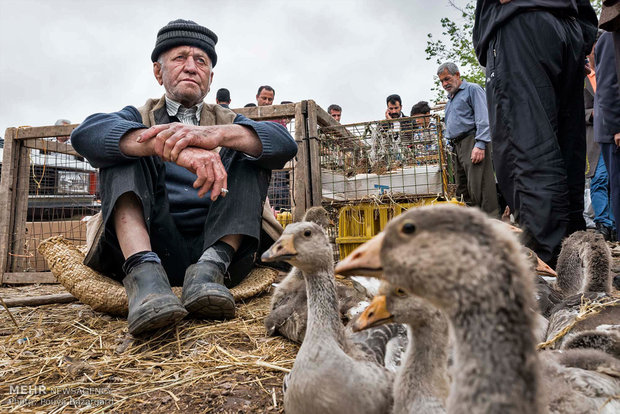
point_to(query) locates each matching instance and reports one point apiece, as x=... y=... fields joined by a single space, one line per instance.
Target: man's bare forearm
x=240 y=138
x=131 y=147
x=170 y=139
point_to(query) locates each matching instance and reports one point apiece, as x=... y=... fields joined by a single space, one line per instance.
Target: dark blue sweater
x=98 y=137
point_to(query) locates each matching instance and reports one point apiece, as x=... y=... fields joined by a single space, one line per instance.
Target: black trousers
x=240 y=212
x=535 y=75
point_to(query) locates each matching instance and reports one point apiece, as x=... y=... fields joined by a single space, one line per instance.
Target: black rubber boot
x=152 y=304
x=204 y=293
x=605 y=231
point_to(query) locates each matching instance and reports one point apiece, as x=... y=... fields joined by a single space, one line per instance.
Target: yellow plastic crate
x=359 y=223
x=284 y=218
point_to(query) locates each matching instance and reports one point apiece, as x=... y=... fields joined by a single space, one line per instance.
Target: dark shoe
x=204 y=293
x=152 y=304
x=604 y=231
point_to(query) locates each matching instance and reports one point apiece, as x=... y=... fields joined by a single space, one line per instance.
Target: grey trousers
x=475 y=182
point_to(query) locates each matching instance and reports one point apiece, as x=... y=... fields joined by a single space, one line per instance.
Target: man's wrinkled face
x=450 y=82
x=394 y=109
x=185 y=72
x=335 y=114
x=265 y=98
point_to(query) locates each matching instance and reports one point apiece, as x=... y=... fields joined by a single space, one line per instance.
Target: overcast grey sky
x=68 y=59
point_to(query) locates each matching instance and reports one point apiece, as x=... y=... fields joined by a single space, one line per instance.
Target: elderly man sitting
x=158 y=163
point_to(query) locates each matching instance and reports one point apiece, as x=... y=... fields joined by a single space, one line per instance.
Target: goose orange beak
x=375 y=314
x=544 y=269
x=514 y=229
x=363 y=261
x=282 y=250
x=541 y=268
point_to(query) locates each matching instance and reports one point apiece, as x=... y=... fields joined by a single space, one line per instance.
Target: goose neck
x=496 y=365
x=323 y=314
x=425 y=364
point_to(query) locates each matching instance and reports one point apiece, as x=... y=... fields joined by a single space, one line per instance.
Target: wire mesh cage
x=402 y=158
x=61 y=195
x=373 y=171
x=279 y=192
x=61 y=186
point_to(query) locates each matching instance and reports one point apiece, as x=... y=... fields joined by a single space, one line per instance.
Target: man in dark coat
x=596 y=170
x=534 y=53
x=607 y=115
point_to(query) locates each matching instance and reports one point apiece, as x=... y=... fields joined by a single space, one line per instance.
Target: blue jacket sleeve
x=278 y=145
x=98 y=137
x=481 y=116
x=607 y=88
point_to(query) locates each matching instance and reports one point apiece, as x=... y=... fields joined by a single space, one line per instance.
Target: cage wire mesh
x=373 y=171
x=62 y=195
x=280 y=186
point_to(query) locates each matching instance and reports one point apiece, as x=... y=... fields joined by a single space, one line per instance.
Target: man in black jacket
x=607 y=119
x=534 y=52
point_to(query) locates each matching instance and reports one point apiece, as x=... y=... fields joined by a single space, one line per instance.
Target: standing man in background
x=394 y=107
x=607 y=115
x=467 y=129
x=265 y=95
x=279 y=190
x=222 y=98
x=396 y=132
x=534 y=53
x=596 y=171
x=335 y=111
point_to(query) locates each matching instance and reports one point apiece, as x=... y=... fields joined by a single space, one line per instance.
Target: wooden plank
x=300 y=197
x=49 y=146
x=259 y=113
x=443 y=164
x=40 y=300
x=44 y=131
x=29 y=277
x=314 y=158
x=20 y=211
x=7 y=196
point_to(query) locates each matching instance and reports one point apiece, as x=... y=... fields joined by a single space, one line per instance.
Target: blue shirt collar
x=463 y=82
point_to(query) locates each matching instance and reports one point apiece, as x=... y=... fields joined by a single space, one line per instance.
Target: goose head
x=318 y=215
x=393 y=304
x=365 y=260
x=538 y=265
x=304 y=245
x=447 y=254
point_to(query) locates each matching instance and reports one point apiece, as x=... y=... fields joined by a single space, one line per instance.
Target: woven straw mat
x=103 y=294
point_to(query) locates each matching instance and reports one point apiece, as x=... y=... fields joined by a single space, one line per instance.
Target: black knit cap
x=185 y=33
